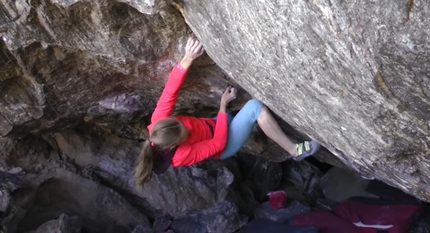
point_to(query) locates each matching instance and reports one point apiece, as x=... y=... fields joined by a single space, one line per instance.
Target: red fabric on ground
x=343 y=217
x=326 y=221
x=397 y=215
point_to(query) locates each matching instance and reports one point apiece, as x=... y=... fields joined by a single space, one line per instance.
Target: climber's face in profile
x=168 y=133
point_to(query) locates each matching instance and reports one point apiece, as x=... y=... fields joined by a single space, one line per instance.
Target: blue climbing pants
x=240 y=127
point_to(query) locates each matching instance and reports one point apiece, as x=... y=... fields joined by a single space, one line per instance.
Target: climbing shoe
x=306 y=149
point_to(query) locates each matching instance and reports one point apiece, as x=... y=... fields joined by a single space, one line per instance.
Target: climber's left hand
x=193 y=50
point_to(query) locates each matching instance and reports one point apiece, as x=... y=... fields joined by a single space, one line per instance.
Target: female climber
x=186 y=140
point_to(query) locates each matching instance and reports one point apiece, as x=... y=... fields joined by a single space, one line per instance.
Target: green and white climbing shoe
x=306 y=149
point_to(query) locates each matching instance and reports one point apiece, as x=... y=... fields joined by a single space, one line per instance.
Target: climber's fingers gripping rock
x=229 y=95
x=193 y=49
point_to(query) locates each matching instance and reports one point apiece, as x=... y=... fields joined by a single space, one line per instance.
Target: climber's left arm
x=167 y=101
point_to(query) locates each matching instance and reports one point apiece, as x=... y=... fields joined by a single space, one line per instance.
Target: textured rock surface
x=221 y=217
x=339 y=185
x=161 y=223
x=64 y=224
x=351 y=74
x=101 y=208
x=422 y=225
x=4 y=200
x=69 y=61
x=8 y=183
x=143 y=229
x=264 y=175
x=63 y=171
x=301 y=179
x=175 y=192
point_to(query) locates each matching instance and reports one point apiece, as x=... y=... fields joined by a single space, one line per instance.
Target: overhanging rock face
x=353 y=75
x=62 y=62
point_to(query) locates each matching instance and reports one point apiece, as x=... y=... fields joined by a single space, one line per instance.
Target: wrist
x=186 y=63
x=223 y=107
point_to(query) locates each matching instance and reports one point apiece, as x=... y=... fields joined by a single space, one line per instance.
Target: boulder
x=99 y=207
x=422 y=223
x=302 y=179
x=161 y=223
x=352 y=75
x=176 y=192
x=339 y=185
x=263 y=174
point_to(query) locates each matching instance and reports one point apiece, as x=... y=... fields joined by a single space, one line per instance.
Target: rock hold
x=124 y=103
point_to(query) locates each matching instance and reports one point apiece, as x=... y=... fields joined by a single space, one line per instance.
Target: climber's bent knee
x=241 y=126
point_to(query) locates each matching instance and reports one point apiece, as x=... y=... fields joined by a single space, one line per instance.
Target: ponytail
x=167 y=133
x=145 y=162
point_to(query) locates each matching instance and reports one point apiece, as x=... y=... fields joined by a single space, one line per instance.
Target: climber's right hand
x=228 y=95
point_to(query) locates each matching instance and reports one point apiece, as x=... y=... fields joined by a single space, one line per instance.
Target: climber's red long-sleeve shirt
x=200 y=144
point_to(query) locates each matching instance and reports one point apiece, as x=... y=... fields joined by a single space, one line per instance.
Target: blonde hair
x=166 y=134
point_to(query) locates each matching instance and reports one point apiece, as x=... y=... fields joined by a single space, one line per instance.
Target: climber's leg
x=272 y=129
x=241 y=126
